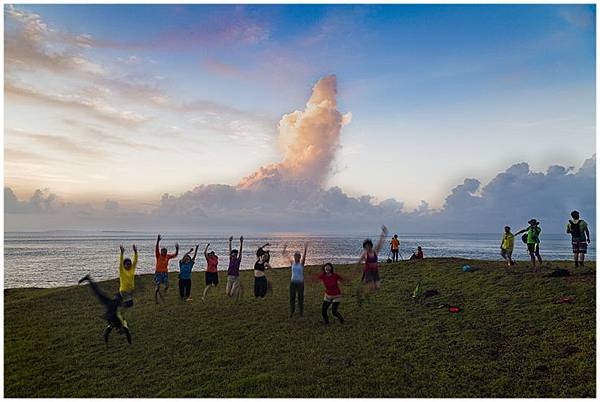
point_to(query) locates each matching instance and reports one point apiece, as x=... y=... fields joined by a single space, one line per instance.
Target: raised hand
x=122 y=249
x=177 y=246
x=230 y=239
x=384 y=230
x=241 y=239
x=191 y=249
x=159 y=238
x=134 y=248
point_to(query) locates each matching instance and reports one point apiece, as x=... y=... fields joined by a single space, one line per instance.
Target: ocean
x=53 y=259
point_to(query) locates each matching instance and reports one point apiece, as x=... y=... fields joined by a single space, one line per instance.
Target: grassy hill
x=512 y=339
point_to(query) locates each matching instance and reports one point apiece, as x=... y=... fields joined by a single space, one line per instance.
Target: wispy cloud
x=92 y=106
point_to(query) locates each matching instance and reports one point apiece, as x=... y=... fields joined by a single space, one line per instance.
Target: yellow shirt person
x=127 y=275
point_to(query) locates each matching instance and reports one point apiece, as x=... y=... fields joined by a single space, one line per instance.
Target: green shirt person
x=533 y=240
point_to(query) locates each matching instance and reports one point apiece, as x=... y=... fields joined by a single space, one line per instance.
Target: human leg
x=334 y=309
x=324 y=309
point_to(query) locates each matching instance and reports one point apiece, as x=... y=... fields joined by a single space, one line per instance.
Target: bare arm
x=587 y=233
x=382 y=236
x=265 y=245
x=156 y=252
x=135 y=256
x=241 y=247
x=205 y=251
x=122 y=255
x=195 y=252
x=176 y=251
x=230 y=240
x=285 y=253
x=362 y=257
x=521 y=231
x=304 y=254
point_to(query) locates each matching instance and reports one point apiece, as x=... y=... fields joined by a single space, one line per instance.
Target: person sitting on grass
x=261 y=285
x=417 y=255
x=127 y=276
x=161 y=275
x=297 y=280
x=185 y=274
x=507 y=245
x=333 y=293
x=580 y=237
x=533 y=240
x=234 y=287
x=211 y=276
x=112 y=314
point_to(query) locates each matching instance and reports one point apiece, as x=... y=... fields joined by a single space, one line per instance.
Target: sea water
x=52 y=259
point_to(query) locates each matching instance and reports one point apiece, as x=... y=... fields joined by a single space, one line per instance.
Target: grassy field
x=511 y=340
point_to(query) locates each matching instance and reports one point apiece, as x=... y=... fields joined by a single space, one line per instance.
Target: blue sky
x=437 y=93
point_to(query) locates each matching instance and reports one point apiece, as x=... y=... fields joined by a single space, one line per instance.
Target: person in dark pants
x=297 y=280
x=261 y=285
x=112 y=314
x=580 y=237
x=395 y=248
x=333 y=294
x=185 y=274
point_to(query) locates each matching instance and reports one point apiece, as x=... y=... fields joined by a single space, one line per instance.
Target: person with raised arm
x=211 y=276
x=127 y=276
x=532 y=239
x=370 y=274
x=297 y=280
x=234 y=287
x=261 y=285
x=185 y=274
x=161 y=274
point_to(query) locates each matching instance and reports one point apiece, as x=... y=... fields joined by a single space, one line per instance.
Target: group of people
x=369 y=282
x=331 y=281
x=576 y=227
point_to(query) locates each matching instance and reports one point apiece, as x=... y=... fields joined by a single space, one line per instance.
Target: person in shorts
x=533 y=240
x=127 y=276
x=370 y=276
x=580 y=237
x=161 y=274
x=395 y=248
x=211 y=275
x=234 y=288
x=333 y=294
x=507 y=246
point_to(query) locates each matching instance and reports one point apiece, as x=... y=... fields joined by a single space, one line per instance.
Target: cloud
x=217 y=67
x=93 y=106
x=41 y=202
x=580 y=15
x=60 y=144
x=309 y=138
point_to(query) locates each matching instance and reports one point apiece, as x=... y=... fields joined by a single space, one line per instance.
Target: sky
x=122 y=114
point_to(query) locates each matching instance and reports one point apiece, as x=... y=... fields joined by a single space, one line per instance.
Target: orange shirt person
x=395 y=247
x=161 y=274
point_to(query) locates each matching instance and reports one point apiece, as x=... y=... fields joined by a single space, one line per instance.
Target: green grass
x=511 y=340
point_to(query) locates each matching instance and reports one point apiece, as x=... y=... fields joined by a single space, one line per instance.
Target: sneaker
x=189 y=299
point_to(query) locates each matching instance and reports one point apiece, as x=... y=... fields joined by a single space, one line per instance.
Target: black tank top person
x=259 y=266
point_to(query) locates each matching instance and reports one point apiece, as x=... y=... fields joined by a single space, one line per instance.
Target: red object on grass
x=453 y=309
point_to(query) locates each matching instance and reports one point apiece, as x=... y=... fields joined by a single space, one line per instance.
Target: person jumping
x=211 y=276
x=161 y=275
x=185 y=274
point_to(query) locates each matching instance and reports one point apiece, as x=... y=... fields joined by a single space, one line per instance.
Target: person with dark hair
x=507 y=246
x=185 y=274
x=533 y=240
x=211 y=276
x=395 y=248
x=580 y=237
x=127 y=276
x=234 y=287
x=333 y=294
x=112 y=314
x=261 y=285
x=161 y=274
x=297 y=280
x=418 y=255
x=370 y=276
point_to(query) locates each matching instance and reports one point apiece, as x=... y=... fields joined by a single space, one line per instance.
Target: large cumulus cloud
x=289 y=195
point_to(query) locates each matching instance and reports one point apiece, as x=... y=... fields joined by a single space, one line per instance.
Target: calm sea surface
x=59 y=259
